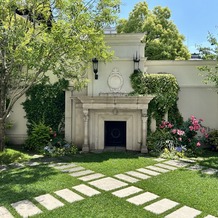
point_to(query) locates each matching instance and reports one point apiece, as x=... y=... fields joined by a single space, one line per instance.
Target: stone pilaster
x=85 y=147
x=144 y=148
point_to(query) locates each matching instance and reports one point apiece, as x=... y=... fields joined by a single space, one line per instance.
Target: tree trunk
x=2 y=135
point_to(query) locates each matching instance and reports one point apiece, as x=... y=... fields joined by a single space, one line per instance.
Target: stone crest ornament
x=115 y=80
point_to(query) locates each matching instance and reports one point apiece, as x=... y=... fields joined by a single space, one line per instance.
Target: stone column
x=144 y=148
x=85 y=147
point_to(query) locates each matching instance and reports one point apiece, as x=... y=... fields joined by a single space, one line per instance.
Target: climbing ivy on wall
x=165 y=88
x=45 y=103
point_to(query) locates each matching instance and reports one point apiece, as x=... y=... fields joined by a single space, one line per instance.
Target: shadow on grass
x=24 y=183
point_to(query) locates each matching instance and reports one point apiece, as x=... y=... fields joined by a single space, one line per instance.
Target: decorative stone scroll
x=115 y=80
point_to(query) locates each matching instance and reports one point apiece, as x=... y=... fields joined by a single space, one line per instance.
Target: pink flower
x=203 y=130
x=180 y=139
x=170 y=125
x=198 y=144
x=55 y=134
x=191 y=128
x=180 y=132
x=174 y=131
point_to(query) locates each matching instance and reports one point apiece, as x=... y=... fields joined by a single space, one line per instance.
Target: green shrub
x=212 y=139
x=38 y=138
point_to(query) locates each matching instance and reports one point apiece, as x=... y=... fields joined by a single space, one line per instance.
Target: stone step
x=49 y=202
x=138 y=175
x=177 y=163
x=81 y=173
x=184 y=212
x=126 y=178
x=86 y=190
x=91 y=177
x=149 y=172
x=68 y=195
x=70 y=170
x=127 y=192
x=26 y=208
x=161 y=206
x=4 y=213
x=142 y=198
x=162 y=165
x=158 y=169
x=108 y=184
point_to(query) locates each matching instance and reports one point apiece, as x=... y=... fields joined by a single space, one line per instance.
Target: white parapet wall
x=195 y=97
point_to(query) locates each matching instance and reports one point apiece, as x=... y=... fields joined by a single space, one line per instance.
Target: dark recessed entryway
x=115 y=133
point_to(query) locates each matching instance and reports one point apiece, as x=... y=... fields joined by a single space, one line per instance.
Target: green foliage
x=212 y=139
x=46 y=102
x=164 y=86
x=39 y=137
x=11 y=156
x=163 y=40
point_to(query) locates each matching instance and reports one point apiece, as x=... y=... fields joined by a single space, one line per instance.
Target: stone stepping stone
x=184 y=212
x=91 y=177
x=126 y=178
x=149 y=172
x=75 y=169
x=126 y=192
x=63 y=166
x=142 y=198
x=138 y=175
x=86 y=190
x=195 y=167
x=161 y=206
x=209 y=216
x=210 y=171
x=49 y=202
x=4 y=213
x=159 y=159
x=26 y=208
x=162 y=165
x=32 y=164
x=177 y=163
x=108 y=184
x=158 y=169
x=81 y=173
x=68 y=195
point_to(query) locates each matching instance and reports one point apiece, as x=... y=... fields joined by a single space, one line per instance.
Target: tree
x=163 y=40
x=39 y=38
x=210 y=53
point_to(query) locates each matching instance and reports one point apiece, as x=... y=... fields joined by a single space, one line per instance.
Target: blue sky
x=193 y=18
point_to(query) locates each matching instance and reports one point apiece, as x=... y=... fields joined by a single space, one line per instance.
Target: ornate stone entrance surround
x=132 y=109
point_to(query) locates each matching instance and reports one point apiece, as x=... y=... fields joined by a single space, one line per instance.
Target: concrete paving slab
x=49 y=202
x=210 y=171
x=142 y=198
x=86 y=190
x=126 y=192
x=64 y=166
x=74 y=169
x=26 y=208
x=161 y=206
x=126 y=178
x=91 y=177
x=149 y=172
x=177 y=163
x=184 y=212
x=138 y=175
x=158 y=169
x=165 y=166
x=33 y=164
x=195 y=167
x=108 y=184
x=68 y=195
x=81 y=173
x=4 y=213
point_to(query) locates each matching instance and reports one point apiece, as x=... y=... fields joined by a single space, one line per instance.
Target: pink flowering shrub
x=188 y=136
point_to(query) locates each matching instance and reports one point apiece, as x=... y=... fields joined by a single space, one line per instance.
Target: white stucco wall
x=195 y=98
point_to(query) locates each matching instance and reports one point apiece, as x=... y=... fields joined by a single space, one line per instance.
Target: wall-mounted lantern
x=95 y=67
x=136 y=60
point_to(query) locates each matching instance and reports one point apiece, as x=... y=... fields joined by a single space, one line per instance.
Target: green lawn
x=187 y=187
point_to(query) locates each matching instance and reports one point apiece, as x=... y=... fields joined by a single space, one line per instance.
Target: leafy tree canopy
x=163 y=40
x=43 y=37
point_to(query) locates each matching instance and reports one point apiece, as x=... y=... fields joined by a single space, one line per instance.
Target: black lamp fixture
x=136 y=60
x=95 y=67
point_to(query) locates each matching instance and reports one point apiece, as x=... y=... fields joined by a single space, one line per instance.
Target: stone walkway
x=120 y=185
